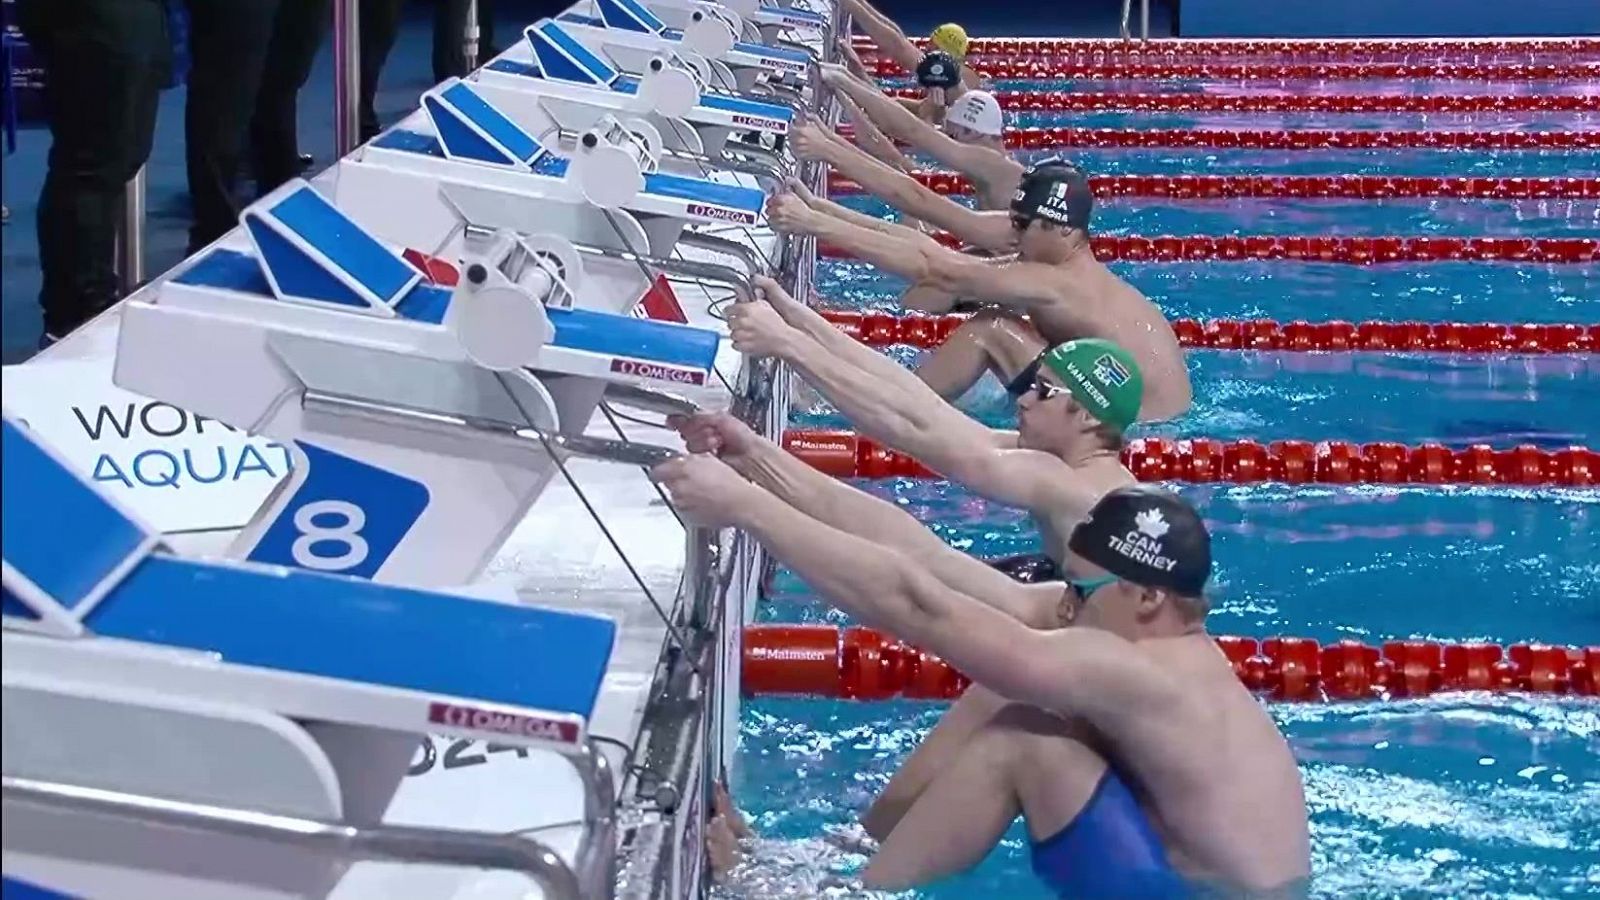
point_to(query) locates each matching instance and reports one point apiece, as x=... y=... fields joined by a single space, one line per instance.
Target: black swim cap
x=938 y=69
x=1149 y=537
x=1056 y=191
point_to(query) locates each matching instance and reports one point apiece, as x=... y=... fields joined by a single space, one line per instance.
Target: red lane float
x=845 y=454
x=1328 y=49
x=1365 y=187
x=1073 y=101
x=1041 y=69
x=863 y=664
x=878 y=329
x=1305 y=139
x=1348 y=250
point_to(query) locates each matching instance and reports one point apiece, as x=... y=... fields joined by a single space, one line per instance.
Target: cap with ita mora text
x=1149 y=537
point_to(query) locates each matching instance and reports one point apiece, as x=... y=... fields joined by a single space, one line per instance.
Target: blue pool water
x=1487 y=120
x=1548 y=401
x=1457 y=796
x=1440 y=217
x=1284 y=290
x=1403 y=161
x=1296 y=86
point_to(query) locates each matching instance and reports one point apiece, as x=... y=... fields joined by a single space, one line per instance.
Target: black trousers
x=380 y=23
x=105 y=63
x=249 y=59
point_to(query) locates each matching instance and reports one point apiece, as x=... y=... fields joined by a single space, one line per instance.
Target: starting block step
x=300 y=643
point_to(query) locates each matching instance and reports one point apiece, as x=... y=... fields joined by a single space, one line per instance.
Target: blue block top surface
x=732 y=196
x=493 y=122
x=231 y=270
x=56 y=531
x=316 y=221
x=357 y=630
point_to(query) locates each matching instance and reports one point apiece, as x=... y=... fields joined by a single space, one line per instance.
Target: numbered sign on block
x=336 y=514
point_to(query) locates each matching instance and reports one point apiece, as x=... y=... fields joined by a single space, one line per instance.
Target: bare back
x=1220 y=782
x=1094 y=302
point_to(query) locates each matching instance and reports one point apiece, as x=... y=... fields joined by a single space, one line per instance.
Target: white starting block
x=570 y=85
x=712 y=34
x=463 y=156
x=178 y=728
x=392 y=389
x=770 y=19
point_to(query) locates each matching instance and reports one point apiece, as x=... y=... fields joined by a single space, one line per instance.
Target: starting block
x=388 y=386
x=573 y=85
x=462 y=156
x=238 y=686
x=712 y=33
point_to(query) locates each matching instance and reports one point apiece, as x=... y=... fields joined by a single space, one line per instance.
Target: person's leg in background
x=380 y=24
x=297 y=35
x=228 y=42
x=449 y=35
x=105 y=64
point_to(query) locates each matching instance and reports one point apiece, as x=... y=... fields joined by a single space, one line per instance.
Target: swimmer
x=949 y=38
x=1055 y=280
x=972 y=140
x=1178 y=783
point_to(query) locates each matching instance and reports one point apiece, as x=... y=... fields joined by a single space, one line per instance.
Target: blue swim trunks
x=1109 y=851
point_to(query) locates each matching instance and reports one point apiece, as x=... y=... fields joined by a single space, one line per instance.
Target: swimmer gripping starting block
x=563 y=72
x=426 y=412
x=461 y=139
x=235 y=686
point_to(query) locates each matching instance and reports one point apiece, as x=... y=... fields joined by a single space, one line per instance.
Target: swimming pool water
x=1400 y=161
x=1455 y=796
x=1548 y=401
x=1414 y=217
x=1289 y=290
x=1300 y=87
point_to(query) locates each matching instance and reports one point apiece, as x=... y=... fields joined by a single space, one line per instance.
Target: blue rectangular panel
x=493 y=122
x=747 y=107
x=354 y=251
x=227 y=270
x=596 y=66
x=773 y=52
x=345 y=516
x=58 y=532
x=409 y=142
x=513 y=67
x=798 y=15
x=645 y=16
x=614 y=335
x=732 y=196
x=346 y=628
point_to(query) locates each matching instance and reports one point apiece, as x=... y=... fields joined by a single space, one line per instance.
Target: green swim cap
x=1102 y=376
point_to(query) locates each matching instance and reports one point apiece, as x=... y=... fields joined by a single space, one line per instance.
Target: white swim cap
x=979 y=111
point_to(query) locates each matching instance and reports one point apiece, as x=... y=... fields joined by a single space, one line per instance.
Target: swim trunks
x=1110 y=850
x=1028 y=568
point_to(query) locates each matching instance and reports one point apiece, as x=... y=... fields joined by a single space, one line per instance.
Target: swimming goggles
x=1085 y=587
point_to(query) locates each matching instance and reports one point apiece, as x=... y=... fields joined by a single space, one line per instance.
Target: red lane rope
x=844 y=454
x=1309 y=139
x=863 y=664
x=1074 y=101
x=1366 y=187
x=878 y=329
x=1111 y=48
x=1037 y=69
x=1349 y=250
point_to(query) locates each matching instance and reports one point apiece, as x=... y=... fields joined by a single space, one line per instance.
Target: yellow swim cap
x=951 y=38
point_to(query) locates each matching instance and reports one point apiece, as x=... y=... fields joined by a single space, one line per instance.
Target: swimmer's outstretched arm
x=841 y=506
x=892 y=41
x=989 y=230
x=846 y=214
x=922 y=260
x=871 y=139
x=1074 y=671
x=903 y=124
